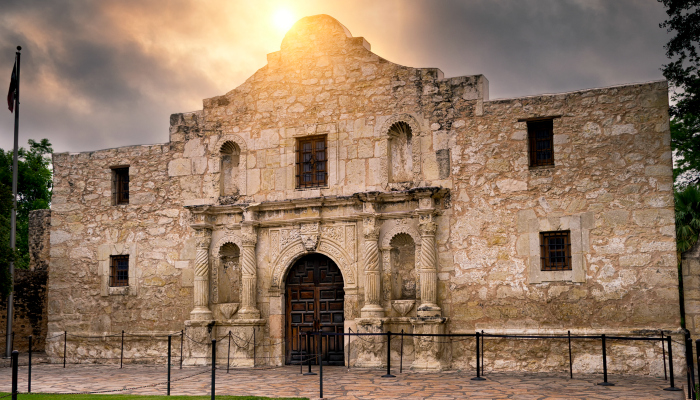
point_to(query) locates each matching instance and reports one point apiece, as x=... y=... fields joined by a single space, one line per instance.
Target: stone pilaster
x=372 y=307
x=429 y=350
x=249 y=238
x=201 y=310
x=369 y=351
x=428 y=268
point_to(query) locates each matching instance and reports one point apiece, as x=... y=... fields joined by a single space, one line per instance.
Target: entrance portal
x=314 y=301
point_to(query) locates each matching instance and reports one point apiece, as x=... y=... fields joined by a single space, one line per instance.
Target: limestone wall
x=86 y=229
x=30 y=296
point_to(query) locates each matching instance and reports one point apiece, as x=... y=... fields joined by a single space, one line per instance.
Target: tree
x=687 y=203
x=683 y=73
x=33 y=193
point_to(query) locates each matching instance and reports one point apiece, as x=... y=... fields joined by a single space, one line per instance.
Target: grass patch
x=49 y=396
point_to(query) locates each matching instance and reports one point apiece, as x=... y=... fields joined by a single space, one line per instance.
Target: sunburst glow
x=283 y=19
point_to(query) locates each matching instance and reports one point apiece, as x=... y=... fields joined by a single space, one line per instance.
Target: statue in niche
x=403 y=267
x=230 y=160
x=400 y=153
x=229 y=273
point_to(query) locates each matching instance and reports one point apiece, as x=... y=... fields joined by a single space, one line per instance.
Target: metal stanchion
x=213 y=369
x=182 y=340
x=121 y=357
x=308 y=350
x=228 y=356
x=605 y=365
x=478 y=366
x=15 y=360
x=29 y=367
x=482 y=353
x=673 y=387
x=388 y=357
x=663 y=353
x=571 y=361
x=65 y=346
x=301 y=351
x=349 y=342
x=401 y=356
x=690 y=372
x=320 y=364
x=170 y=341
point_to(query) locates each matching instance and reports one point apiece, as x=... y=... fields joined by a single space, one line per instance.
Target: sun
x=283 y=19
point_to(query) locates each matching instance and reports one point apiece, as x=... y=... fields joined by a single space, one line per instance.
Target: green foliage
x=34 y=193
x=683 y=74
x=685 y=141
x=687 y=203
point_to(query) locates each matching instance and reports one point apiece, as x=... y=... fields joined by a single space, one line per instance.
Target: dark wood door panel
x=314 y=300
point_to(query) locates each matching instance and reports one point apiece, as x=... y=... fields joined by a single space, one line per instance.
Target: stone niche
x=403 y=267
x=229 y=274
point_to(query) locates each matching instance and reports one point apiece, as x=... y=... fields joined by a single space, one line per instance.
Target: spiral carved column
x=428 y=269
x=372 y=308
x=249 y=239
x=201 y=276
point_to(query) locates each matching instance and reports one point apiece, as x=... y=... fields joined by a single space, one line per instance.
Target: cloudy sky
x=108 y=73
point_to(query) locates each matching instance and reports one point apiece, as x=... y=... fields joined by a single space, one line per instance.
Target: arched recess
x=295 y=250
x=231 y=151
x=220 y=274
x=403 y=148
x=389 y=280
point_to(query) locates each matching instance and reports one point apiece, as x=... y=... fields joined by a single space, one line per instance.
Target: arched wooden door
x=314 y=299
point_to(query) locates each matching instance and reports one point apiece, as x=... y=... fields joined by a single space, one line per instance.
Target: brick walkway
x=338 y=383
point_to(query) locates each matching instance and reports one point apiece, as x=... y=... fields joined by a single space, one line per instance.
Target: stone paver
x=339 y=383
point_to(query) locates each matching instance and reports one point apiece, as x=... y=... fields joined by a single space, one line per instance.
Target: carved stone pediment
x=310 y=236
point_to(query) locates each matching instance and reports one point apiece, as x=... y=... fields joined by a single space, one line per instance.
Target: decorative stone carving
x=228 y=309
x=370 y=350
x=372 y=307
x=309 y=236
x=249 y=239
x=201 y=276
x=428 y=269
x=403 y=307
x=428 y=350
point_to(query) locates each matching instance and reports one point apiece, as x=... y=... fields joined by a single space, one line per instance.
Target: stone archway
x=314 y=299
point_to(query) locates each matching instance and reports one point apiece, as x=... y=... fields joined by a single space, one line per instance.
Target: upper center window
x=312 y=162
x=541 y=139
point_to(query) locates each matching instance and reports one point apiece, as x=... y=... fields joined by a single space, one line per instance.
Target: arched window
x=400 y=153
x=230 y=159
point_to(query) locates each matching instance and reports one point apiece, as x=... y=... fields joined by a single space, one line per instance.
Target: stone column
x=428 y=268
x=201 y=310
x=249 y=238
x=372 y=307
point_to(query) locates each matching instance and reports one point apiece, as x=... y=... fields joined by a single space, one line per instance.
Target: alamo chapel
x=337 y=190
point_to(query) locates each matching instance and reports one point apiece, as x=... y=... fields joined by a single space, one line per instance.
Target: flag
x=13 y=89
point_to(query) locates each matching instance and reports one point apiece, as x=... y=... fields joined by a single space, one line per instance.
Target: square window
x=541 y=142
x=312 y=163
x=120 y=185
x=555 y=251
x=118 y=271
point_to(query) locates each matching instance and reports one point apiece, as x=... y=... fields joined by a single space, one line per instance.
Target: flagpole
x=13 y=220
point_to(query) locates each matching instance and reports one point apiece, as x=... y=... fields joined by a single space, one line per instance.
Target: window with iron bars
x=120 y=185
x=312 y=162
x=541 y=141
x=119 y=271
x=555 y=251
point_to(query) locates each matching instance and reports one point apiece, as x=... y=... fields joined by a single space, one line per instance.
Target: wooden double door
x=314 y=301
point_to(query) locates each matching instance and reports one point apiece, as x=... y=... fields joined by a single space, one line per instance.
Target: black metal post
x=388 y=357
x=320 y=364
x=228 y=357
x=65 y=345
x=663 y=352
x=349 y=342
x=690 y=372
x=301 y=351
x=697 y=354
x=182 y=341
x=213 y=369
x=15 y=357
x=29 y=367
x=605 y=365
x=401 y=356
x=308 y=350
x=170 y=342
x=673 y=387
x=13 y=340
x=571 y=361
x=482 y=353
x=121 y=357
x=478 y=361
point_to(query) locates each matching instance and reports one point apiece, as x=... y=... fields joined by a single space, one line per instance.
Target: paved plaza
x=339 y=383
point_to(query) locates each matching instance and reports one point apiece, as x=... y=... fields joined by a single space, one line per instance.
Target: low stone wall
x=30 y=298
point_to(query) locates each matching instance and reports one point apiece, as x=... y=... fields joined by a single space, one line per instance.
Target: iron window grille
x=541 y=140
x=120 y=184
x=555 y=251
x=119 y=271
x=312 y=162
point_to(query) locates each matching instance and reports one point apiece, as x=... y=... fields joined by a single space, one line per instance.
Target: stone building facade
x=337 y=189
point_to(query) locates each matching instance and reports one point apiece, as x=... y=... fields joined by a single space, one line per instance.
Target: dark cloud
x=98 y=74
